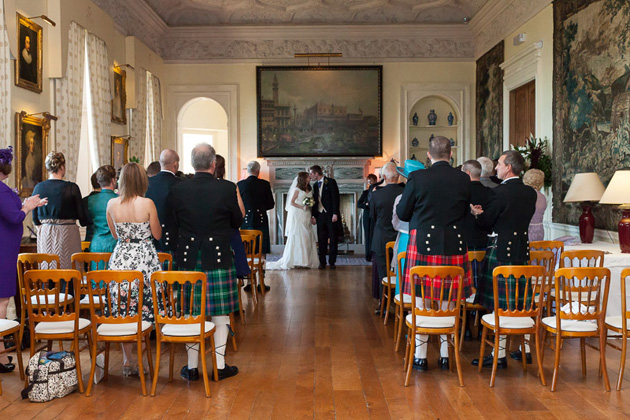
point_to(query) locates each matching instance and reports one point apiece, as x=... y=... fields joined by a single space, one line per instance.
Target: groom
x=325 y=213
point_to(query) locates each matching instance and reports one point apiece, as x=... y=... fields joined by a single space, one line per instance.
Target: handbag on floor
x=50 y=375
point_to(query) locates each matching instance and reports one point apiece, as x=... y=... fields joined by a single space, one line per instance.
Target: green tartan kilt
x=221 y=293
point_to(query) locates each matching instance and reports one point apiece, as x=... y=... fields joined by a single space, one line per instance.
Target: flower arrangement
x=134 y=159
x=535 y=154
x=308 y=201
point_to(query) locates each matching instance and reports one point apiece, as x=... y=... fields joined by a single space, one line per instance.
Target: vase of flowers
x=535 y=154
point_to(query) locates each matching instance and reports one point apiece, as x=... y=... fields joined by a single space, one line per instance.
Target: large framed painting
x=489 y=103
x=591 y=99
x=319 y=111
x=31 y=140
x=119 y=102
x=28 y=66
x=120 y=152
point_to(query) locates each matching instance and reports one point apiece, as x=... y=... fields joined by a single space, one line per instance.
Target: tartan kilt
x=414 y=259
x=485 y=295
x=221 y=292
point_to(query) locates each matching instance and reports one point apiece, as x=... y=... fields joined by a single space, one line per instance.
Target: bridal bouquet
x=308 y=202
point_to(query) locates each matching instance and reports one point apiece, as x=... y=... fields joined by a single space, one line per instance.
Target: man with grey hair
x=381 y=211
x=487 y=170
x=205 y=211
x=476 y=237
x=258 y=199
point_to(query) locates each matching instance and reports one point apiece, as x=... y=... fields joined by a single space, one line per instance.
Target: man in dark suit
x=476 y=236
x=435 y=202
x=160 y=186
x=381 y=211
x=205 y=211
x=325 y=213
x=508 y=213
x=363 y=204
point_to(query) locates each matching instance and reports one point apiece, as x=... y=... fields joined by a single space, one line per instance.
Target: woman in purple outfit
x=535 y=178
x=12 y=213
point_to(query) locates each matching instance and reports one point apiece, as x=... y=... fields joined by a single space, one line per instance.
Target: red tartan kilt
x=414 y=259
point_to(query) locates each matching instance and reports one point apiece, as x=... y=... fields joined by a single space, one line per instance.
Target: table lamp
x=618 y=192
x=586 y=188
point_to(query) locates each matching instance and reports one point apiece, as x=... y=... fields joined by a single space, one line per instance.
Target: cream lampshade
x=618 y=192
x=586 y=188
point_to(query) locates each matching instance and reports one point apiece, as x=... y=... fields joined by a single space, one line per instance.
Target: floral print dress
x=135 y=251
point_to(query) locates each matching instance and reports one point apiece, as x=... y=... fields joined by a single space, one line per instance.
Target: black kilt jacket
x=508 y=213
x=257 y=198
x=160 y=186
x=206 y=212
x=435 y=202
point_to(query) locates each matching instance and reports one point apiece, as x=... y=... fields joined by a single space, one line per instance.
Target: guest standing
x=57 y=231
x=12 y=214
x=363 y=204
x=102 y=239
x=535 y=178
x=487 y=172
x=325 y=213
x=89 y=230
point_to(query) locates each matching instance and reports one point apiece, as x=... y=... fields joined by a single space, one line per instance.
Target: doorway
x=522 y=113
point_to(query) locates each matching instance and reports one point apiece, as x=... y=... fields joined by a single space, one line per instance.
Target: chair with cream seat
x=249 y=242
x=469 y=305
x=620 y=325
x=118 y=323
x=439 y=314
x=557 y=247
x=517 y=310
x=85 y=262
x=402 y=303
x=56 y=315
x=185 y=326
x=258 y=259
x=581 y=298
x=388 y=282
x=8 y=327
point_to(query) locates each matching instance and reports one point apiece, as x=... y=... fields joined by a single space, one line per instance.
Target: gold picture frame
x=28 y=66
x=120 y=152
x=119 y=101
x=31 y=140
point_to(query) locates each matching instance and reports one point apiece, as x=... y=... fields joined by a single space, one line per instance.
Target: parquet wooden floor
x=314 y=349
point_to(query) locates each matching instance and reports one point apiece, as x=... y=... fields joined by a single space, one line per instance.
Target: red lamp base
x=587 y=224
x=624 y=231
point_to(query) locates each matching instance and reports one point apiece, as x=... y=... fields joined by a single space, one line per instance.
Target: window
x=88 y=149
x=191 y=138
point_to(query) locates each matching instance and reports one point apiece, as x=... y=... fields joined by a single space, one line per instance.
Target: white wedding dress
x=300 y=249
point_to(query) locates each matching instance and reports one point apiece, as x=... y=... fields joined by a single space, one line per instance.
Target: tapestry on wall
x=591 y=98
x=489 y=110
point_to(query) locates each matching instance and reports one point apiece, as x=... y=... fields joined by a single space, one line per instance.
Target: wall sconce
x=124 y=65
x=45 y=19
x=47 y=115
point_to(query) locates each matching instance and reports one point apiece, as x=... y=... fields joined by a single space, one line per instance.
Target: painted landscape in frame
x=323 y=111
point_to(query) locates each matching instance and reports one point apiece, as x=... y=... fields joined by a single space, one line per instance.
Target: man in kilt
x=435 y=202
x=206 y=212
x=508 y=213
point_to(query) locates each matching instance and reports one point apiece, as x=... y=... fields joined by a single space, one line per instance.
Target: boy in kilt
x=206 y=212
x=508 y=213
x=435 y=202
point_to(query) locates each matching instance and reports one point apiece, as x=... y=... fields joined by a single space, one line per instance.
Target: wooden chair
x=8 y=327
x=402 y=302
x=516 y=286
x=258 y=258
x=440 y=312
x=475 y=257
x=166 y=261
x=582 y=258
x=85 y=262
x=557 y=247
x=389 y=281
x=584 y=291
x=183 y=327
x=56 y=316
x=117 y=324
x=619 y=324
x=545 y=259
x=249 y=242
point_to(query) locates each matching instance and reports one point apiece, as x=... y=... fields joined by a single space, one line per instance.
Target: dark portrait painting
x=32 y=137
x=119 y=97
x=28 y=66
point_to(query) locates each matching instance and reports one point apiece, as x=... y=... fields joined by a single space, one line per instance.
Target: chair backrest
x=433 y=282
x=579 y=293
x=257 y=251
x=625 y=314
x=389 y=254
x=176 y=292
x=476 y=255
x=544 y=259
x=54 y=292
x=514 y=289
x=34 y=261
x=85 y=246
x=166 y=261
x=557 y=247
x=401 y=257
x=115 y=287
x=88 y=261
x=249 y=243
x=582 y=258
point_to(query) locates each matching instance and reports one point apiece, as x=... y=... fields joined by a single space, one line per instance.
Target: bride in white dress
x=300 y=249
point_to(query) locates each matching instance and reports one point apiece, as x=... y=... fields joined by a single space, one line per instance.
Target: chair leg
x=232 y=322
x=171 y=361
x=147 y=344
x=141 y=366
x=382 y=304
x=622 y=365
x=156 y=374
x=395 y=323
x=539 y=358
x=389 y=302
x=410 y=351
x=458 y=364
x=542 y=345
x=92 y=369
x=495 y=358
x=556 y=363
x=18 y=350
x=602 y=355
x=400 y=327
x=77 y=361
x=463 y=324
x=106 y=373
x=261 y=278
x=484 y=334
x=204 y=367
x=215 y=371
x=523 y=358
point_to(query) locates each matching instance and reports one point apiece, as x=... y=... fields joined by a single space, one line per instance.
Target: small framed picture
x=28 y=66
x=119 y=102
x=120 y=152
x=32 y=147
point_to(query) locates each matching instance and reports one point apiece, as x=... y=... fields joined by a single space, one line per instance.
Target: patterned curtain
x=69 y=101
x=101 y=98
x=139 y=117
x=154 y=116
x=5 y=82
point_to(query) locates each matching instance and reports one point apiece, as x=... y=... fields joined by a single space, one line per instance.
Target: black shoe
x=517 y=355
x=420 y=364
x=267 y=288
x=248 y=288
x=443 y=363
x=190 y=374
x=377 y=311
x=487 y=362
x=332 y=266
x=227 y=372
x=6 y=367
x=322 y=266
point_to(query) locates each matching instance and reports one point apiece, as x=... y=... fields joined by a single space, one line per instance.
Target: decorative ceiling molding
x=497 y=19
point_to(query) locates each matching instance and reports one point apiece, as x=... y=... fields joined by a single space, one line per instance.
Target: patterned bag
x=50 y=375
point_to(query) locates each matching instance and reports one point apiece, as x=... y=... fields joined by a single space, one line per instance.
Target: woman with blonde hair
x=133 y=221
x=535 y=178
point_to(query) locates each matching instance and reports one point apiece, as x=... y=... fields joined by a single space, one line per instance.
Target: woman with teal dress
x=102 y=239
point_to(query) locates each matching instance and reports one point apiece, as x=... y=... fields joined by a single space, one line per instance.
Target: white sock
x=421 y=346
x=220 y=338
x=502 y=344
x=193 y=355
x=444 y=346
x=527 y=349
